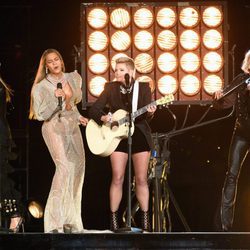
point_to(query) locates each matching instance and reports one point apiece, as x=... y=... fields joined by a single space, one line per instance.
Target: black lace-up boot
x=114 y=221
x=145 y=222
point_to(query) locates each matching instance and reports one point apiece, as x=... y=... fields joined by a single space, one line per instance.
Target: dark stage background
x=28 y=28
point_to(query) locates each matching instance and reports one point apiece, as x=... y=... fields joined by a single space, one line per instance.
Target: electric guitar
x=103 y=140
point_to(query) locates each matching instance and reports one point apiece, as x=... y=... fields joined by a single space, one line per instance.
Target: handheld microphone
x=59 y=86
x=127 y=83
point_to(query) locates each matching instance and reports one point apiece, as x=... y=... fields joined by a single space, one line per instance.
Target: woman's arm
x=44 y=104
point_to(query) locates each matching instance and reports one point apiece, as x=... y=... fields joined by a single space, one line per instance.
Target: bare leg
x=118 y=164
x=140 y=161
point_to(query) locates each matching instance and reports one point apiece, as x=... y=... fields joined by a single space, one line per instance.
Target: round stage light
x=190 y=85
x=96 y=85
x=212 y=39
x=189 y=17
x=212 y=83
x=97 y=18
x=143 y=40
x=35 y=209
x=166 y=40
x=190 y=62
x=143 y=18
x=98 y=63
x=120 y=18
x=120 y=40
x=147 y=79
x=167 y=62
x=166 y=17
x=167 y=85
x=189 y=40
x=98 y=41
x=212 y=62
x=212 y=17
x=144 y=63
x=115 y=57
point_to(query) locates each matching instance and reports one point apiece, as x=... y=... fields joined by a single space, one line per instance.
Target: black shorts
x=139 y=143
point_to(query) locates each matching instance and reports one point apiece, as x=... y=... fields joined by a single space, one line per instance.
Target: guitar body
x=103 y=140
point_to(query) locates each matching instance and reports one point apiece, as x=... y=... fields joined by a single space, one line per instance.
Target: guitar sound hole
x=114 y=126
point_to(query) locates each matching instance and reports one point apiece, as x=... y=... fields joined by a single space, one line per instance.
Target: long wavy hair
x=41 y=74
x=8 y=90
x=246 y=63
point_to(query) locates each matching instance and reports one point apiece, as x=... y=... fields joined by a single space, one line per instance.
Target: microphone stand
x=128 y=228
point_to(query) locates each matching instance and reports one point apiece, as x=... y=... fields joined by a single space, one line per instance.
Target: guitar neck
x=137 y=113
x=142 y=110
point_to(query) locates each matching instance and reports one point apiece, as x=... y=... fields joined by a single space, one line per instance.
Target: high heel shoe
x=19 y=226
x=67 y=228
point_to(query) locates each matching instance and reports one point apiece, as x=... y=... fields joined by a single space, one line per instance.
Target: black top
x=112 y=98
x=240 y=97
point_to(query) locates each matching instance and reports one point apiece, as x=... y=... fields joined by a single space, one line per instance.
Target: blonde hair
x=8 y=90
x=41 y=74
x=129 y=62
x=246 y=63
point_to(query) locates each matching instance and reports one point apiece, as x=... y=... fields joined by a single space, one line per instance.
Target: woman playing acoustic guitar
x=119 y=95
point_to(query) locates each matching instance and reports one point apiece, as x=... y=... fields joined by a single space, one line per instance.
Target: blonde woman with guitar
x=117 y=95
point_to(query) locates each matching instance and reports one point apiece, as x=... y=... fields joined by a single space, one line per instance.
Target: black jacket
x=112 y=98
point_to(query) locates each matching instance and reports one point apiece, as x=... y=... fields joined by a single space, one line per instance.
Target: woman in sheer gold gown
x=63 y=138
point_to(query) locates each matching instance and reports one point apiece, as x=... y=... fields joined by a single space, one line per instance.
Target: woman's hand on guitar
x=151 y=109
x=107 y=118
x=83 y=120
x=218 y=94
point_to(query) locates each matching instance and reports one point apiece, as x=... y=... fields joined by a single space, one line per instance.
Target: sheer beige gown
x=63 y=138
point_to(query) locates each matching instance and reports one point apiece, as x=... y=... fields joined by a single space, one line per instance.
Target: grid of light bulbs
x=178 y=44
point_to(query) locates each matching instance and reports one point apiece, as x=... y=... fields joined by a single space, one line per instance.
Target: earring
x=46 y=70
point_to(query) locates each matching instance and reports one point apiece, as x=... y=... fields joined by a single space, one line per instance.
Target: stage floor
x=194 y=240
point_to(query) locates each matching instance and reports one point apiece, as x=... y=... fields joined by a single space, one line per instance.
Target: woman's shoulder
x=113 y=84
x=144 y=85
x=74 y=78
x=41 y=86
x=74 y=75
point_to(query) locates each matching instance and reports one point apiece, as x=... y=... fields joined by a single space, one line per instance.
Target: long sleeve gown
x=63 y=138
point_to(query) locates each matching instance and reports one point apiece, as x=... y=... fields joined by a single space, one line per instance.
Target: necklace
x=54 y=80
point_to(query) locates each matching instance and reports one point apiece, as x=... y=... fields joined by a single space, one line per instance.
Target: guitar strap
x=135 y=96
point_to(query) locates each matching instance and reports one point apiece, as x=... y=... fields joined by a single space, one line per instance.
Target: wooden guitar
x=103 y=140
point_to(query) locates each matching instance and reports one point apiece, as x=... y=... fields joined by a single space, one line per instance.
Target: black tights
x=238 y=150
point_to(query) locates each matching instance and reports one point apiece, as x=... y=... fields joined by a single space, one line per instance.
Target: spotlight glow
x=120 y=40
x=189 y=40
x=212 y=17
x=97 y=18
x=212 y=62
x=190 y=85
x=166 y=40
x=96 y=85
x=143 y=18
x=144 y=63
x=167 y=85
x=144 y=40
x=120 y=18
x=166 y=17
x=98 y=63
x=189 y=17
x=167 y=63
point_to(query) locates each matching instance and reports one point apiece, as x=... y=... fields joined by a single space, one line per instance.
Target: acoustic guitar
x=104 y=139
